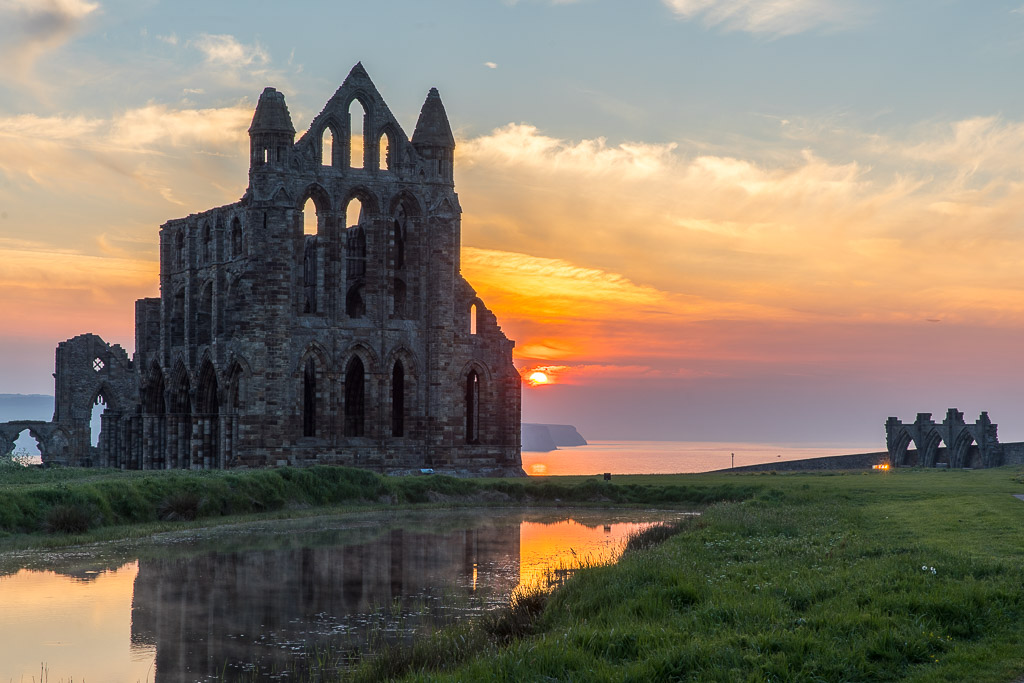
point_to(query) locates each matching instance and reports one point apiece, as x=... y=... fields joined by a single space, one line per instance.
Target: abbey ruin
x=357 y=342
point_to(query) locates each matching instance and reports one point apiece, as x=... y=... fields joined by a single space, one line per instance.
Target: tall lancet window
x=309 y=399
x=472 y=407
x=355 y=398
x=398 y=400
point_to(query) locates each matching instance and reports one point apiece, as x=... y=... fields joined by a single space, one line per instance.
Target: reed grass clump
x=180 y=506
x=68 y=519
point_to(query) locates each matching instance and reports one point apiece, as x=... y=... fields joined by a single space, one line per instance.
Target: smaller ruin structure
x=950 y=443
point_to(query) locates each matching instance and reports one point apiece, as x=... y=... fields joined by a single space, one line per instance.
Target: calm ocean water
x=671 y=457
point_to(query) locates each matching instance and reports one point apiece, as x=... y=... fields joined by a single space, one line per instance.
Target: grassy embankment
x=901 y=576
x=62 y=506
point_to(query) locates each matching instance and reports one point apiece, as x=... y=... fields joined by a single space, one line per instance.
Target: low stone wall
x=855 y=461
x=1013 y=453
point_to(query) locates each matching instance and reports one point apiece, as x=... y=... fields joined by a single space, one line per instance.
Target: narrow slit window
x=356 y=114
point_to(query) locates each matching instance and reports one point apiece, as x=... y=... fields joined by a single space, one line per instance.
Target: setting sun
x=538 y=377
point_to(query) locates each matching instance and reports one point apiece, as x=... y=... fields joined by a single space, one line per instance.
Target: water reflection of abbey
x=208 y=610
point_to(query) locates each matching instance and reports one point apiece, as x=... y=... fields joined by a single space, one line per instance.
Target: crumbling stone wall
x=361 y=344
x=966 y=445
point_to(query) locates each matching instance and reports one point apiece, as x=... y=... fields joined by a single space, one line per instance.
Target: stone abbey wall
x=360 y=344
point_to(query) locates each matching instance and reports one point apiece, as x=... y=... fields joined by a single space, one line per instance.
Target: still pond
x=210 y=603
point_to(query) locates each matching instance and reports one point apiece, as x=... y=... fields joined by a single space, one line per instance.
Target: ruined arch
x=206 y=430
x=387 y=150
x=408 y=202
x=368 y=200
x=401 y=402
x=154 y=399
x=179 y=418
x=313 y=373
x=356 y=143
x=355 y=397
x=235 y=396
x=899 y=453
x=328 y=146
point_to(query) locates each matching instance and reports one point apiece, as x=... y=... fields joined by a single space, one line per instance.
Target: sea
x=672 y=457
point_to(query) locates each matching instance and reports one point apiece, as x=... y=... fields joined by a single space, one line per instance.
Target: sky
x=725 y=220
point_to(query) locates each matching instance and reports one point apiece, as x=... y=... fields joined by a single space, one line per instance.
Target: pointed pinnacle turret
x=432 y=128
x=271 y=114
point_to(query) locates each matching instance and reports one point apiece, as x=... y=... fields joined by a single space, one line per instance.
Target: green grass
x=817 y=578
x=59 y=506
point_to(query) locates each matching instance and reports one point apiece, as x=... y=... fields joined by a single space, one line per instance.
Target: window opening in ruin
x=99 y=407
x=236 y=238
x=207 y=241
x=310 y=218
x=398 y=400
x=179 y=249
x=473 y=313
x=26 y=449
x=356 y=118
x=309 y=274
x=355 y=261
x=208 y=404
x=98 y=364
x=354 y=213
x=153 y=401
x=309 y=399
x=327 y=147
x=204 y=317
x=398 y=299
x=266 y=155
x=355 y=306
x=384 y=147
x=178 y=319
x=355 y=398
x=472 y=407
x=398 y=229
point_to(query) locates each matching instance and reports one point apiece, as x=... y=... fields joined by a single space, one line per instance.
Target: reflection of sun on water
x=546 y=551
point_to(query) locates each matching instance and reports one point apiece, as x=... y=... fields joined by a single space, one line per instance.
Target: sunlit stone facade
x=356 y=343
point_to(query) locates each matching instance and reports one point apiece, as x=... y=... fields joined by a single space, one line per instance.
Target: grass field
x=49 y=507
x=909 y=575
x=903 y=576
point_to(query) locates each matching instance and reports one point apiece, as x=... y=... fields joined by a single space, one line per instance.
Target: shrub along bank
x=902 y=576
x=73 y=501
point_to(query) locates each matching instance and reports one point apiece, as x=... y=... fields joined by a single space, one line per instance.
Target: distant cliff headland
x=544 y=438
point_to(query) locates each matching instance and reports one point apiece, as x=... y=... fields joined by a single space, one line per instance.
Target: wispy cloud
x=770 y=17
x=491 y=65
x=31 y=28
x=225 y=50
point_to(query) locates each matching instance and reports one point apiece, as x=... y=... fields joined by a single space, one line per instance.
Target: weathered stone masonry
x=360 y=345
